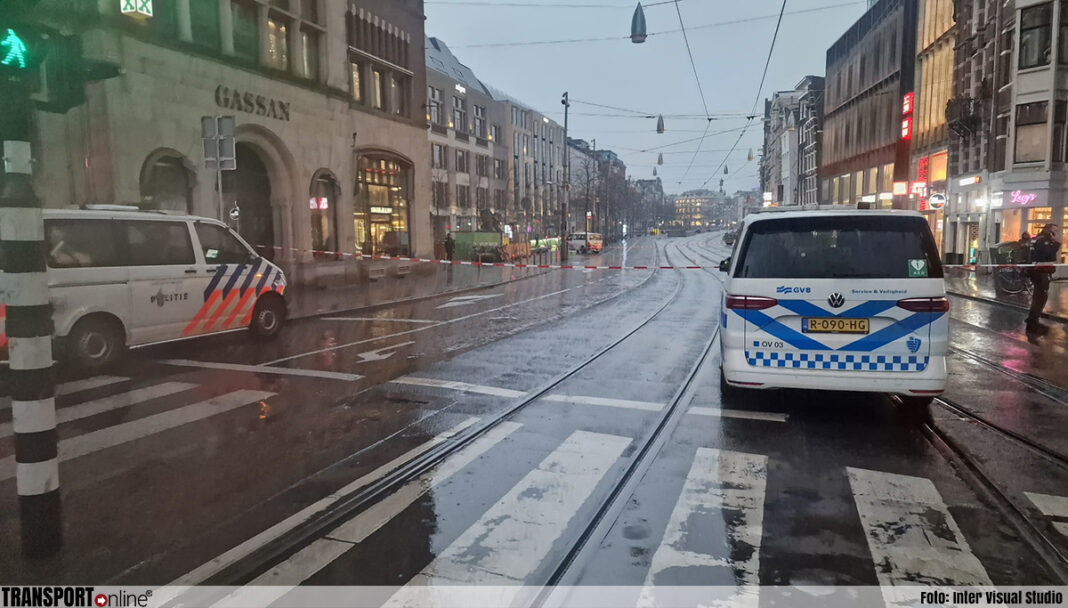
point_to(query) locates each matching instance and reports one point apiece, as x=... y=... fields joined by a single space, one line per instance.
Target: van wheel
x=95 y=344
x=916 y=409
x=267 y=317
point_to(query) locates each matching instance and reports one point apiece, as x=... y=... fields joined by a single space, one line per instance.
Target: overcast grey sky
x=730 y=41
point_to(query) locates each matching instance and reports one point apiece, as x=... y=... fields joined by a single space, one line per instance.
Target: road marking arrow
x=380 y=354
x=465 y=300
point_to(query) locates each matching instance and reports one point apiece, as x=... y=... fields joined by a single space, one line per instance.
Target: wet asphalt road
x=193 y=458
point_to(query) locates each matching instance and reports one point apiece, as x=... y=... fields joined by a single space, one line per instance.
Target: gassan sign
x=233 y=99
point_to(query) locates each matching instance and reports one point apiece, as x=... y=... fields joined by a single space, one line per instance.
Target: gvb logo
x=787 y=289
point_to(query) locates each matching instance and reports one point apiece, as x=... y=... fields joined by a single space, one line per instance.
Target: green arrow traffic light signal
x=14 y=50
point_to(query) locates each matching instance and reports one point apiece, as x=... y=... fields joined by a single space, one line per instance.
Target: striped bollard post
x=29 y=332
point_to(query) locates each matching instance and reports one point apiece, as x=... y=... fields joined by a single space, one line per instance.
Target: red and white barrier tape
x=365 y=256
x=973 y=266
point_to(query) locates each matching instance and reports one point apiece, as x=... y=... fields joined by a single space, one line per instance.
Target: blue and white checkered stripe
x=835 y=361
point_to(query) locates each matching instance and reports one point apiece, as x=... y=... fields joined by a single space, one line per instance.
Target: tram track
x=973 y=474
x=246 y=569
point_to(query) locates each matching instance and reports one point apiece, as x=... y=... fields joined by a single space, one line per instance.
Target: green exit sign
x=138 y=9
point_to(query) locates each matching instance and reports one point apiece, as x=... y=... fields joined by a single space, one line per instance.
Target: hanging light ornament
x=750 y=154
x=637 y=26
x=654 y=171
x=725 y=172
x=660 y=124
x=660 y=160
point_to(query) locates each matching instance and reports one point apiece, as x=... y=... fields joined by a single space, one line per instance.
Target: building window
x=322 y=205
x=277 y=44
x=441 y=195
x=166 y=184
x=357 y=81
x=480 y=121
x=309 y=10
x=459 y=114
x=463 y=197
x=204 y=18
x=482 y=198
x=309 y=41
x=246 y=30
x=461 y=161
x=1031 y=140
x=381 y=215
x=378 y=93
x=1062 y=51
x=499 y=169
x=401 y=94
x=437 y=156
x=1058 y=131
x=436 y=105
x=495 y=133
x=482 y=166
x=1035 y=36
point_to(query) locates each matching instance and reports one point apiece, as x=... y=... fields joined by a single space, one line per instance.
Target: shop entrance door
x=250 y=187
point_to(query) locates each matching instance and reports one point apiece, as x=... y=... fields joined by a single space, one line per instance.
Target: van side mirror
x=725 y=265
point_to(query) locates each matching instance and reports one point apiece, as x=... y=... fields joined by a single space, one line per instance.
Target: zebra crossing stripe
x=1055 y=507
x=113 y=436
x=214 y=566
x=280 y=580
x=911 y=534
x=107 y=404
x=719 y=481
x=512 y=539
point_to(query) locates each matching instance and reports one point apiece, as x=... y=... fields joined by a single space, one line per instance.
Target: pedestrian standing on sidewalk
x=450 y=246
x=1044 y=250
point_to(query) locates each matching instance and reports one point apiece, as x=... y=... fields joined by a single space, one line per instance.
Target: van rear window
x=875 y=247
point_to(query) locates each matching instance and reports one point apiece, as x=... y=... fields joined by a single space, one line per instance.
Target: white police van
x=120 y=278
x=849 y=300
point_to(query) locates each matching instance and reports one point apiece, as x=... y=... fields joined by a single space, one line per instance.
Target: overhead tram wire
x=756 y=102
x=538 y=5
x=665 y=32
x=700 y=90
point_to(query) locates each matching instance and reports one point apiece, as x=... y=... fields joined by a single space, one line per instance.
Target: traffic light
x=67 y=71
x=23 y=46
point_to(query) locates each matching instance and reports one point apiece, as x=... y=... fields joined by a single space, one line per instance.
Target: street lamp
x=637 y=26
x=660 y=124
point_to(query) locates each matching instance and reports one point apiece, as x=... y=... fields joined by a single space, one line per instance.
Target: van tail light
x=750 y=302
x=924 y=304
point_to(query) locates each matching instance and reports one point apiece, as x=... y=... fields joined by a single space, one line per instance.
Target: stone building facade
x=330 y=133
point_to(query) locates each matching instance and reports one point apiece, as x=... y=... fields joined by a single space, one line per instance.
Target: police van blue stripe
x=219 y=272
x=790 y=336
x=894 y=332
x=829 y=361
x=233 y=279
x=249 y=277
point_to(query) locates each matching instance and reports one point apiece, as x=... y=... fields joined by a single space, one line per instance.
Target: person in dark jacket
x=450 y=246
x=1044 y=250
